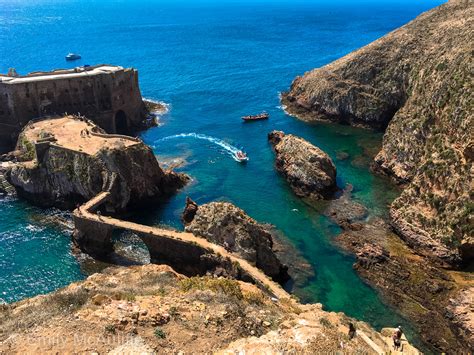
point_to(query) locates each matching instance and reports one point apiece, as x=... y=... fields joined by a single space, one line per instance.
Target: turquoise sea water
x=212 y=62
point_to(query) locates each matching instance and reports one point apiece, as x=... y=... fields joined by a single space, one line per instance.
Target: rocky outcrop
x=190 y=211
x=225 y=224
x=309 y=171
x=461 y=311
x=420 y=291
x=67 y=161
x=153 y=309
x=417 y=82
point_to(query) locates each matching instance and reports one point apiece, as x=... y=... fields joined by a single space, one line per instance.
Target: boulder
x=309 y=171
x=227 y=225
x=189 y=211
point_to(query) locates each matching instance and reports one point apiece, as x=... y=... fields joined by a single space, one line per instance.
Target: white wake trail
x=228 y=147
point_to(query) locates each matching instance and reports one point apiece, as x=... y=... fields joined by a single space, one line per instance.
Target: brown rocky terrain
x=66 y=161
x=224 y=224
x=152 y=309
x=417 y=83
x=438 y=302
x=309 y=171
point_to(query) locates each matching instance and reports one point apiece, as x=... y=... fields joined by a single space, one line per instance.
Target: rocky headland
x=152 y=309
x=227 y=225
x=416 y=83
x=309 y=171
x=68 y=160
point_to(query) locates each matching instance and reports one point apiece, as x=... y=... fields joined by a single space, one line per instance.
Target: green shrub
x=110 y=328
x=159 y=333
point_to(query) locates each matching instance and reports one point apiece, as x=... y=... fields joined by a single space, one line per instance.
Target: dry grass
x=219 y=285
x=14 y=319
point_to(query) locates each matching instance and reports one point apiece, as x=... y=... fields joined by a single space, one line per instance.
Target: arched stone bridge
x=185 y=252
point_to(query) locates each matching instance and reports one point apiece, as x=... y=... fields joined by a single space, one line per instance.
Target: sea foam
x=230 y=149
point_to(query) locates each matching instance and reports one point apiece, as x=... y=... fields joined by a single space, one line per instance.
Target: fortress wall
x=100 y=97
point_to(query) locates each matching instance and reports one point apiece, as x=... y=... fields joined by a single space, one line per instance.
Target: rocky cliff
x=225 y=224
x=309 y=171
x=66 y=161
x=152 y=309
x=417 y=83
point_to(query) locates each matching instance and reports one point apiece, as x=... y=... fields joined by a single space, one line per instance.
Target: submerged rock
x=309 y=171
x=227 y=225
x=346 y=212
x=69 y=160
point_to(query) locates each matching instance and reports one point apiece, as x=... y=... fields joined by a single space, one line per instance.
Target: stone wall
x=110 y=96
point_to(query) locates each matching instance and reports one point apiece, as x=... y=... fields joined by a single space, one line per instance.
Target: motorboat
x=260 y=116
x=241 y=156
x=73 y=56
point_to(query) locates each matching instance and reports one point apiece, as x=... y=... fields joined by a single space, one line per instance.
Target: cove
x=212 y=63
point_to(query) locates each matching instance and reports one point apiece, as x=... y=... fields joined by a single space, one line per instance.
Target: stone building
x=108 y=95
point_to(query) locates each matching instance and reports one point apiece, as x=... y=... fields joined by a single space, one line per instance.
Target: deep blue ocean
x=211 y=62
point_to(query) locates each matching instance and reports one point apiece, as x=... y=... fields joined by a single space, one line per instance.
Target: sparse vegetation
x=219 y=285
x=110 y=328
x=325 y=322
x=159 y=333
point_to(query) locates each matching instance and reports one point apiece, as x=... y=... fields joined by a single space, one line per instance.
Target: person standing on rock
x=397 y=338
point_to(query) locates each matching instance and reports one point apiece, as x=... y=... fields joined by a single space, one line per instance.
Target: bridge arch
x=128 y=248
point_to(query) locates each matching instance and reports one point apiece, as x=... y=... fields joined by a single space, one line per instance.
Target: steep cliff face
x=66 y=162
x=417 y=81
x=227 y=225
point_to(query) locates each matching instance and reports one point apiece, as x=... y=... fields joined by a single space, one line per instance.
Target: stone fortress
x=108 y=95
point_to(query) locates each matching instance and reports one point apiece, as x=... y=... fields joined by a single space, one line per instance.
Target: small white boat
x=73 y=56
x=241 y=156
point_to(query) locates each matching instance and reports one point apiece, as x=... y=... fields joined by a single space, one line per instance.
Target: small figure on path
x=352 y=330
x=397 y=338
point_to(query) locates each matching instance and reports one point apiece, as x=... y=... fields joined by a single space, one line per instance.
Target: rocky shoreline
x=414 y=84
x=429 y=296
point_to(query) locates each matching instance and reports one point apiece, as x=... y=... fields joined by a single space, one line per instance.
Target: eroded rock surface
x=68 y=160
x=461 y=311
x=417 y=82
x=418 y=289
x=227 y=225
x=309 y=171
x=153 y=309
